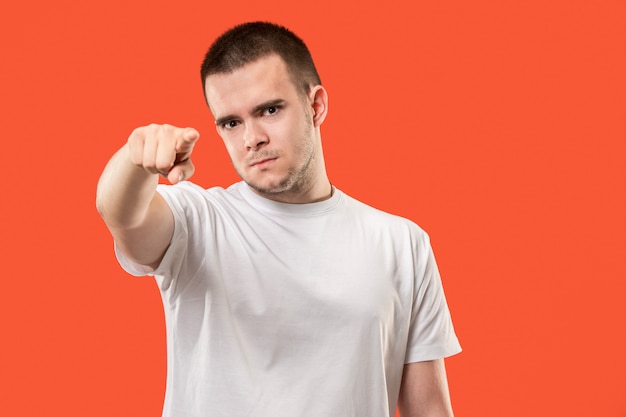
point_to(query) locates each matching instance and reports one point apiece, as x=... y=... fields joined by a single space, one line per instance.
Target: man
x=283 y=296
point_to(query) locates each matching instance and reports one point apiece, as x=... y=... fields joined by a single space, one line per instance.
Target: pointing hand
x=164 y=150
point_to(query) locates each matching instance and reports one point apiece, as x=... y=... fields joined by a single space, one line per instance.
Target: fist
x=164 y=150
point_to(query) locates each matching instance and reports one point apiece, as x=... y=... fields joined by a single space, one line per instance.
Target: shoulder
x=189 y=194
x=187 y=189
x=380 y=219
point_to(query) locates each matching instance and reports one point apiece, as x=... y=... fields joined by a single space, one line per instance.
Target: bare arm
x=424 y=390
x=137 y=216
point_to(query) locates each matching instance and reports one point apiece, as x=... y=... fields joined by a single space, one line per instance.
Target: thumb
x=181 y=172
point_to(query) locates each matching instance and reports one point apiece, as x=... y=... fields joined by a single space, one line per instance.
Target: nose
x=254 y=136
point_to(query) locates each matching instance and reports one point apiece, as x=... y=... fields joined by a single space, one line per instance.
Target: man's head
x=249 y=42
x=268 y=104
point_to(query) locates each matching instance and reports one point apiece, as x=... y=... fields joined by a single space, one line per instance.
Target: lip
x=262 y=163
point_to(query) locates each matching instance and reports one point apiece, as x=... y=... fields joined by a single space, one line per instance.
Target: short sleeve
x=431 y=333
x=184 y=205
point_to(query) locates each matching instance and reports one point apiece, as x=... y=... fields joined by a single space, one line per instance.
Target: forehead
x=256 y=82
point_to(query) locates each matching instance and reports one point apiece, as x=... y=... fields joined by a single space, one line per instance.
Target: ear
x=319 y=104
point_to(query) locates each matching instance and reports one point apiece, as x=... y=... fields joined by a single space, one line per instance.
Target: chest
x=309 y=273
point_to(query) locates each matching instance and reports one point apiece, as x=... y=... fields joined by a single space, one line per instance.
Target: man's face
x=267 y=127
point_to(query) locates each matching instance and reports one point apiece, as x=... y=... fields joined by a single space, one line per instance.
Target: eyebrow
x=256 y=109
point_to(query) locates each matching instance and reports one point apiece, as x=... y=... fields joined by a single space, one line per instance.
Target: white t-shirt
x=277 y=309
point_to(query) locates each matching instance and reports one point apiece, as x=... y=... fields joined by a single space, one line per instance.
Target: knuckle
x=136 y=134
x=163 y=166
x=135 y=160
x=167 y=130
x=149 y=165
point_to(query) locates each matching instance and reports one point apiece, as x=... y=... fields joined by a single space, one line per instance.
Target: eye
x=231 y=124
x=270 y=110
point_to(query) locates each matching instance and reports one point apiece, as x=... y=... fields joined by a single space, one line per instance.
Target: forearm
x=424 y=391
x=140 y=220
x=124 y=192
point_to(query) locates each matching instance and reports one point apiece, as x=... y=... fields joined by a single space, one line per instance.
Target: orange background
x=498 y=126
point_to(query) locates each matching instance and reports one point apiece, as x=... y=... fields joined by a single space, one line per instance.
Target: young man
x=283 y=296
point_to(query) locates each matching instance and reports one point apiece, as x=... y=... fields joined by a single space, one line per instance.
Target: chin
x=267 y=186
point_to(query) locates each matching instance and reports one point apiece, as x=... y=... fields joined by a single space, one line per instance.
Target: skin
x=271 y=131
x=424 y=390
x=272 y=134
x=273 y=140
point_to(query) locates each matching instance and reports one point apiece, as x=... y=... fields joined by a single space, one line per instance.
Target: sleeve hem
x=429 y=353
x=131 y=267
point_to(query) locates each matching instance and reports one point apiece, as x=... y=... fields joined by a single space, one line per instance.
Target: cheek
x=289 y=134
x=233 y=148
x=231 y=140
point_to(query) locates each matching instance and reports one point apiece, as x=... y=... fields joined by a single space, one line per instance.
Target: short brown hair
x=248 y=42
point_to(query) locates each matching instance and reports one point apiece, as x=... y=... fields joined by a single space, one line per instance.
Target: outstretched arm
x=424 y=390
x=139 y=219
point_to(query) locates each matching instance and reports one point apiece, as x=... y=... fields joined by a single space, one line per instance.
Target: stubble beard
x=298 y=179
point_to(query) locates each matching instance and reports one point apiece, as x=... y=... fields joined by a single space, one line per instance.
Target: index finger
x=187 y=140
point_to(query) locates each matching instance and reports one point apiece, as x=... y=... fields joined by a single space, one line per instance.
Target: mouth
x=263 y=162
